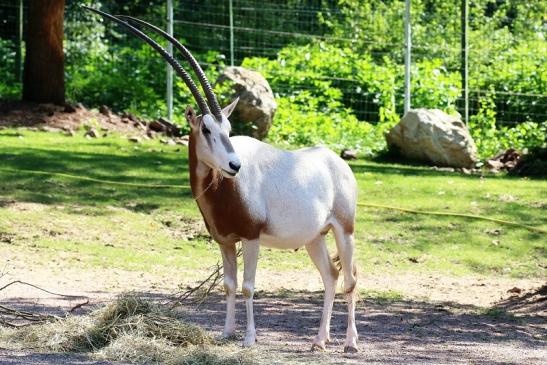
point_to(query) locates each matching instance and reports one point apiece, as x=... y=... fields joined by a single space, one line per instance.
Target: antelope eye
x=205 y=130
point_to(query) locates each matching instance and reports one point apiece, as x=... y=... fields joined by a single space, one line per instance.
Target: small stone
x=104 y=110
x=140 y=125
x=348 y=154
x=494 y=232
x=168 y=141
x=157 y=126
x=443 y=169
x=494 y=165
x=183 y=142
x=46 y=128
x=92 y=133
x=132 y=117
x=135 y=139
x=69 y=108
x=515 y=290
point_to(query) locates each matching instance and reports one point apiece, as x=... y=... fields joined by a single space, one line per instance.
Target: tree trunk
x=44 y=74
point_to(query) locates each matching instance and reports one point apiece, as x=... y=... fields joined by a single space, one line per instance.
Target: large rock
x=433 y=136
x=256 y=108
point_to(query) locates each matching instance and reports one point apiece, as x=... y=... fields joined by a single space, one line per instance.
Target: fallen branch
x=201 y=291
x=78 y=306
x=11 y=317
x=42 y=289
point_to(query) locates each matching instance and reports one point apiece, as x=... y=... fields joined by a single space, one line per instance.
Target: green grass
x=88 y=224
x=499 y=314
x=381 y=296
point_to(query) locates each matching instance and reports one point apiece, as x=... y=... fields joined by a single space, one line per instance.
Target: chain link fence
x=263 y=28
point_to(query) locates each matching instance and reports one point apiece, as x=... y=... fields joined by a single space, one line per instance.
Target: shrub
x=10 y=87
x=492 y=139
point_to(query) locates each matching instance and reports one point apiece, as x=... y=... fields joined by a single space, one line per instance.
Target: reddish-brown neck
x=220 y=203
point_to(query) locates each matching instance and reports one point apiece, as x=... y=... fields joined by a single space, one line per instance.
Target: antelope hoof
x=318 y=346
x=249 y=340
x=228 y=334
x=350 y=349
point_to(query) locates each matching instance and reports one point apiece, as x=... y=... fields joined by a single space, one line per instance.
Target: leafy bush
x=320 y=83
x=296 y=127
x=105 y=65
x=492 y=139
x=346 y=90
x=10 y=87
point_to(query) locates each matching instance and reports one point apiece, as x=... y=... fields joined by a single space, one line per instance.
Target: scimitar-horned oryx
x=251 y=192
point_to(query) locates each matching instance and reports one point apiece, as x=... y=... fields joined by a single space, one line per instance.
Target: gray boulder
x=435 y=137
x=256 y=108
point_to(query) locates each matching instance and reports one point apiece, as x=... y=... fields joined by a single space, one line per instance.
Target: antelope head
x=212 y=142
x=211 y=129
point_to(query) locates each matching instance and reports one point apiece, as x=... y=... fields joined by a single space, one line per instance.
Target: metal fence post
x=408 y=47
x=19 y=44
x=169 y=91
x=231 y=33
x=465 y=61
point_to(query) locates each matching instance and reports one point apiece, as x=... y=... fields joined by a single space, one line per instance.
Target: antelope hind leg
x=317 y=249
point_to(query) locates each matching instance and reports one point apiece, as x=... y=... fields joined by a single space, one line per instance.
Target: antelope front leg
x=229 y=260
x=250 y=258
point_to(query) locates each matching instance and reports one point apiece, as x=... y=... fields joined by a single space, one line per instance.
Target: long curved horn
x=211 y=98
x=176 y=66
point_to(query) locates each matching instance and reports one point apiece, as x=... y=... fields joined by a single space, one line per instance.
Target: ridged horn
x=176 y=66
x=211 y=97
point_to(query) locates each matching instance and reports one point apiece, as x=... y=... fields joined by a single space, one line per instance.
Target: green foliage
x=296 y=127
x=351 y=78
x=112 y=80
x=322 y=89
x=434 y=86
x=10 y=86
x=507 y=47
x=104 y=65
x=492 y=139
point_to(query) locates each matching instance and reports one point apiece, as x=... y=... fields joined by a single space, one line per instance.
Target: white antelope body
x=251 y=192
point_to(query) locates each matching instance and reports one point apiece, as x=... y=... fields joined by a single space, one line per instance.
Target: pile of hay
x=130 y=329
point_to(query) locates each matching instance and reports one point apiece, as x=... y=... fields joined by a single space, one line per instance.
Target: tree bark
x=44 y=74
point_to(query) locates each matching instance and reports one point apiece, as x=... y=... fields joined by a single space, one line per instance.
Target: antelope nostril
x=234 y=166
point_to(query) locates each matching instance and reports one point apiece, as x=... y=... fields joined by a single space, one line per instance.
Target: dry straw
x=129 y=329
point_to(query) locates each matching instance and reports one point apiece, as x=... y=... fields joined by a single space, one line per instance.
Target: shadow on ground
x=44 y=189
x=391 y=331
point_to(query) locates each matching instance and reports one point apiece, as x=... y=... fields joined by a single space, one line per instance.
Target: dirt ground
x=439 y=320
x=69 y=118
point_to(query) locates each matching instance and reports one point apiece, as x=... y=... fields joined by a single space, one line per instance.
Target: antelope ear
x=227 y=111
x=191 y=117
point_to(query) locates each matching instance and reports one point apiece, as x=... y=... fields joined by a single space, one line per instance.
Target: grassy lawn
x=88 y=224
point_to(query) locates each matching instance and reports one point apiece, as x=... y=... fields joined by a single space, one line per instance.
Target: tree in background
x=43 y=79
